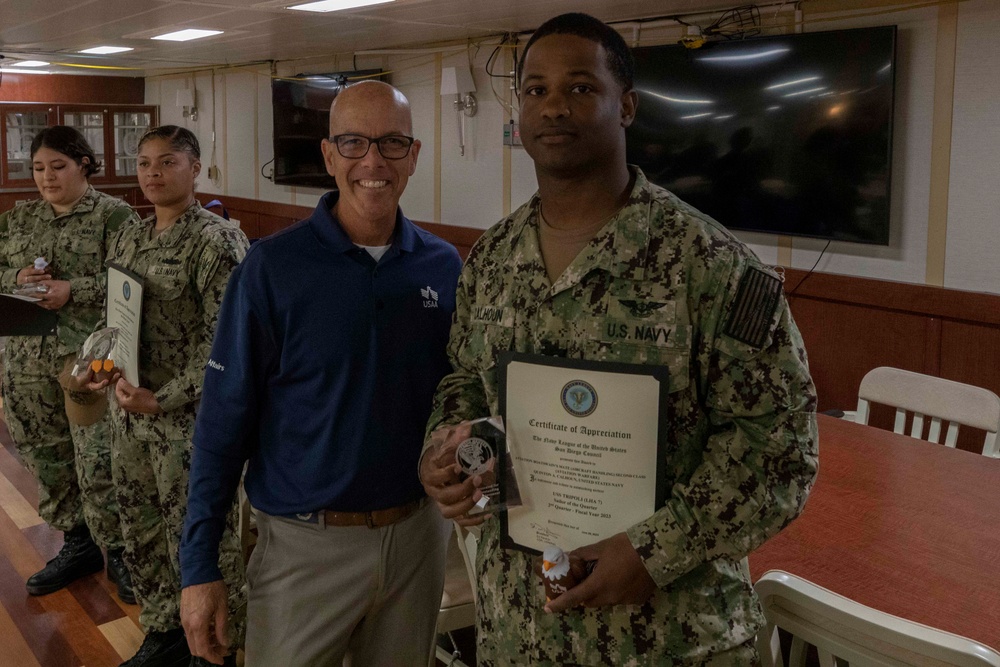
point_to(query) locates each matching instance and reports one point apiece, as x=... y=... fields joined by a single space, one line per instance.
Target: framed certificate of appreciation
x=586 y=442
x=125 y=314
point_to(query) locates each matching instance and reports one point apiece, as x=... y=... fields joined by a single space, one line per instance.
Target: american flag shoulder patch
x=752 y=311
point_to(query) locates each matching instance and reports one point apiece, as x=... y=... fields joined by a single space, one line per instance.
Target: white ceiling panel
x=256 y=31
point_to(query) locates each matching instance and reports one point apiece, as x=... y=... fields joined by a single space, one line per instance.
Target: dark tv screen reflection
x=787 y=135
x=301 y=107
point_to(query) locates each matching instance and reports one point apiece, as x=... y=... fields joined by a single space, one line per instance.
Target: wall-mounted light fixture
x=458 y=81
x=187 y=100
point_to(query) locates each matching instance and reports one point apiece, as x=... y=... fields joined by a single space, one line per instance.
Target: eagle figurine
x=561 y=572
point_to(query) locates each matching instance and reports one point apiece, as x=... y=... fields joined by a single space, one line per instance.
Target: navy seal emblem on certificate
x=579 y=398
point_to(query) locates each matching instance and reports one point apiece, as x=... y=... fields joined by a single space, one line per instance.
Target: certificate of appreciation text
x=125 y=314
x=584 y=438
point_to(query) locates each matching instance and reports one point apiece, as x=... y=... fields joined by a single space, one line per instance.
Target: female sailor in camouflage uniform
x=71 y=227
x=184 y=254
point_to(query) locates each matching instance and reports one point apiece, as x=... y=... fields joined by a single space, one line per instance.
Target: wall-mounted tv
x=788 y=135
x=301 y=107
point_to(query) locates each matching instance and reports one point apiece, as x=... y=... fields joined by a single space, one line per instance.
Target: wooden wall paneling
x=269 y=224
x=906 y=297
x=249 y=223
x=70 y=89
x=970 y=353
x=845 y=341
x=932 y=351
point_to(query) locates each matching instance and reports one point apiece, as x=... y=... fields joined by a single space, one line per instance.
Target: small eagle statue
x=561 y=572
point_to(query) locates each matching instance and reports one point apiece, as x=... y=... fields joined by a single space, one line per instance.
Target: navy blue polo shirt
x=322 y=373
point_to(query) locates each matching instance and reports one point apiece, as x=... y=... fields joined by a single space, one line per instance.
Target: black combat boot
x=118 y=574
x=162 y=649
x=78 y=557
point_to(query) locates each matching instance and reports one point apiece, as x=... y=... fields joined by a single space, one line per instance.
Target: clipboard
x=19 y=317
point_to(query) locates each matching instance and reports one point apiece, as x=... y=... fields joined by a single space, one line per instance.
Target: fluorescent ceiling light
x=187 y=35
x=27 y=70
x=697 y=115
x=725 y=116
x=107 y=50
x=677 y=100
x=785 y=84
x=30 y=63
x=746 y=56
x=773 y=108
x=336 y=5
x=803 y=92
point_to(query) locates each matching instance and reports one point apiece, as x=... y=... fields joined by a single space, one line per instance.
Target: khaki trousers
x=327 y=596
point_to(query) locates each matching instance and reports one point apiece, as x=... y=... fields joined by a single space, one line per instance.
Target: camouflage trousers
x=678 y=626
x=71 y=463
x=151 y=478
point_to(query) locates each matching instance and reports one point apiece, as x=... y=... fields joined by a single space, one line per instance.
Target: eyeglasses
x=356 y=146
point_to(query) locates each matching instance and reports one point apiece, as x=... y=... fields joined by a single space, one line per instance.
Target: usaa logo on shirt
x=430 y=297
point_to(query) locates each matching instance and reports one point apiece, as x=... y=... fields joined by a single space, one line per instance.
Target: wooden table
x=901 y=525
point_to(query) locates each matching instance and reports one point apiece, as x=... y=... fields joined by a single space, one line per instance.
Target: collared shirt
x=322 y=374
x=661 y=284
x=75 y=244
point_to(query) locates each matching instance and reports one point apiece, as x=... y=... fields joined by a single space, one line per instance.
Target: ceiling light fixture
x=28 y=70
x=30 y=63
x=107 y=50
x=336 y=5
x=187 y=35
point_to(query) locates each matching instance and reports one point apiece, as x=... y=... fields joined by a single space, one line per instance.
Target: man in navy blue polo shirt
x=330 y=344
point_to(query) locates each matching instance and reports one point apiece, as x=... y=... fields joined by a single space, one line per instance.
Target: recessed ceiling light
x=14 y=70
x=336 y=5
x=30 y=63
x=187 y=35
x=106 y=50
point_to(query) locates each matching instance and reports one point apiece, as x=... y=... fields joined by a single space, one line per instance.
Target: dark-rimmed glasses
x=356 y=146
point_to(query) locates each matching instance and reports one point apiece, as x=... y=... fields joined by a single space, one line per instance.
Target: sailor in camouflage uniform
x=185 y=255
x=669 y=590
x=71 y=227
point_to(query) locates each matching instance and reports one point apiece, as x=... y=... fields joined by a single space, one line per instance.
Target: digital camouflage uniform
x=185 y=269
x=75 y=244
x=741 y=410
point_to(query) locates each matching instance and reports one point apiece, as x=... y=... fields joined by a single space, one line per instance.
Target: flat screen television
x=301 y=108
x=787 y=135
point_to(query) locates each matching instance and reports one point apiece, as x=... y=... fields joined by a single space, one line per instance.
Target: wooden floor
x=84 y=624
